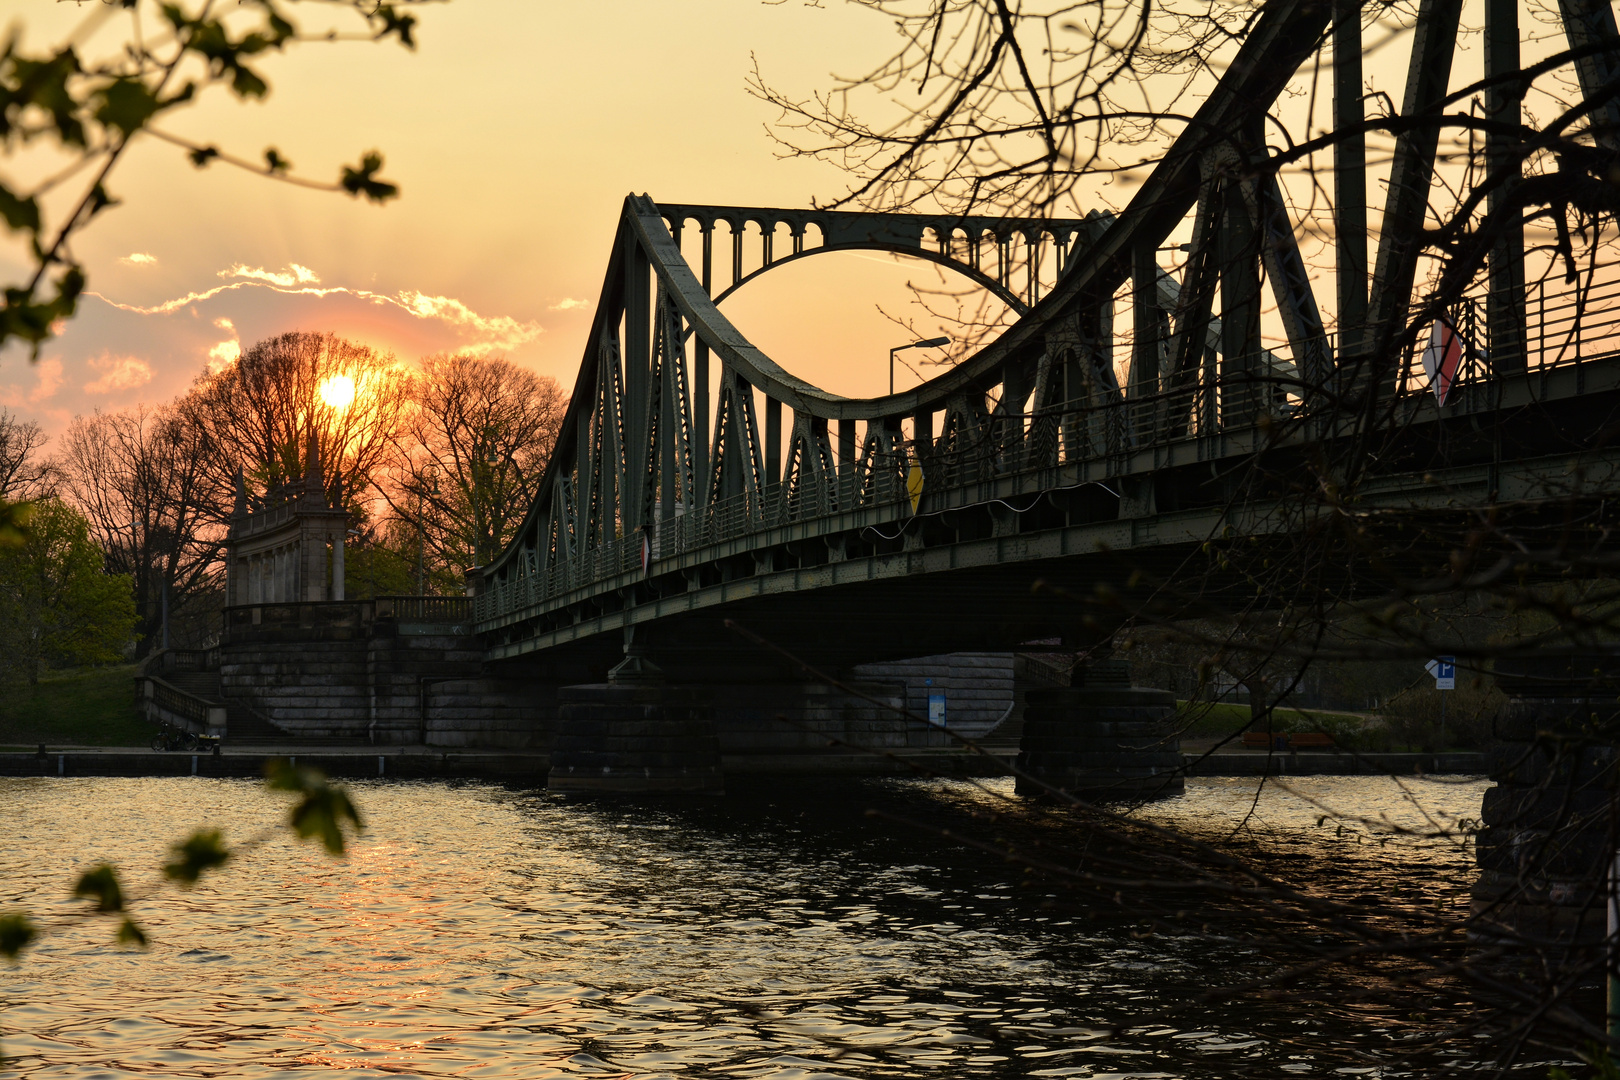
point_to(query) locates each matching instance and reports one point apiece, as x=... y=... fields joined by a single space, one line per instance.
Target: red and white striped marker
x=1442 y=359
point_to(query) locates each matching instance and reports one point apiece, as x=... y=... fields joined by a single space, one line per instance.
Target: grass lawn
x=1224 y=717
x=89 y=707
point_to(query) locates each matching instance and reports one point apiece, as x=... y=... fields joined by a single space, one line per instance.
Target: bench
x=1294 y=740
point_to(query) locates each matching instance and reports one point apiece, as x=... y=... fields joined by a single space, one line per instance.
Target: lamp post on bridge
x=928 y=344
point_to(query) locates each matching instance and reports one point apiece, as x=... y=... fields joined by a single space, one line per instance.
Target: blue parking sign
x=1444 y=670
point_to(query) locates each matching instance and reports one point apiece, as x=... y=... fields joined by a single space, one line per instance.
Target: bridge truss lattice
x=689 y=459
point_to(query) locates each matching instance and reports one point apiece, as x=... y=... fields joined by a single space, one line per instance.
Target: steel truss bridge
x=695 y=478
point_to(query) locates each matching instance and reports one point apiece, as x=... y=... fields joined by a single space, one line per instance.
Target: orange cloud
x=224 y=354
x=504 y=331
x=48 y=382
x=118 y=373
x=498 y=332
x=293 y=275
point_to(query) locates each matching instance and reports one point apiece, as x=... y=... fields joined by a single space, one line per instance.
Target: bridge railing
x=1563 y=326
x=729 y=519
x=162 y=702
x=427 y=609
x=181 y=660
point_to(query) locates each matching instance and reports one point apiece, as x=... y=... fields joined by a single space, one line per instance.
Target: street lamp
x=929 y=344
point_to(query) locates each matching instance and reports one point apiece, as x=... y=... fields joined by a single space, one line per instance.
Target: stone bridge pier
x=642 y=731
x=635 y=734
x=1101 y=739
x=1549 y=825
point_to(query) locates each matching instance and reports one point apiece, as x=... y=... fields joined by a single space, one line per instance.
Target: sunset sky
x=514 y=131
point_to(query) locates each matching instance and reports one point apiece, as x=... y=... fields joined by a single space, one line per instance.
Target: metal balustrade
x=1019 y=444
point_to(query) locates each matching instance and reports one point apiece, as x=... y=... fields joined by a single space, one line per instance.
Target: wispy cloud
x=117 y=373
x=568 y=303
x=502 y=331
x=50 y=379
x=496 y=332
x=293 y=275
x=139 y=258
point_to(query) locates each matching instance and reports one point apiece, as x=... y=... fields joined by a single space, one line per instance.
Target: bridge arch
x=661 y=488
x=973 y=274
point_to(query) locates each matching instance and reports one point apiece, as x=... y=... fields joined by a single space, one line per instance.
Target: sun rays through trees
x=435 y=463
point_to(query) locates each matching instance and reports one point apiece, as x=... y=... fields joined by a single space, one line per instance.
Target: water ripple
x=477 y=931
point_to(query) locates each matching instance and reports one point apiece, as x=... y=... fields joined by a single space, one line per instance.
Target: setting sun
x=338 y=392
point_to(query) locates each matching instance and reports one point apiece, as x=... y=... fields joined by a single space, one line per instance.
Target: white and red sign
x=1442 y=360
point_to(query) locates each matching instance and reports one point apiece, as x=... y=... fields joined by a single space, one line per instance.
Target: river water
x=782 y=932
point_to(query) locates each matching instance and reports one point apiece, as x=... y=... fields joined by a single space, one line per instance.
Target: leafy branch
x=322 y=811
x=93 y=110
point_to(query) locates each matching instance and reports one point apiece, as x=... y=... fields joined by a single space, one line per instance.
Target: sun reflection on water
x=479 y=931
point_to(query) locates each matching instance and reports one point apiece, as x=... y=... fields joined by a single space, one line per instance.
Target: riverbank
x=432 y=763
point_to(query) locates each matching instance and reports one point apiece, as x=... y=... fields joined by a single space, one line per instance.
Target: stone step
x=203 y=684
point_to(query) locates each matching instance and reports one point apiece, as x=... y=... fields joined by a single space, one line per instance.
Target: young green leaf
x=127 y=104
x=363 y=181
x=100 y=883
x=43 y=84
x=100 y=200
x=322 y=808
x=394 y=23
x=202 y=850
x=14 y=519
x=21 y=213
x=130 y=934
x=16 y=933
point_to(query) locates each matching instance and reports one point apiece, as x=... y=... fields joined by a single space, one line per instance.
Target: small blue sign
x=936 y=709
x=1444 y=670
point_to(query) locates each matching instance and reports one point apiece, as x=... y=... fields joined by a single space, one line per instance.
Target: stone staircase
x=243 y=725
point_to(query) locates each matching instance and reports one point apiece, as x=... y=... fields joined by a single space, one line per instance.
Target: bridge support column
x=1549 y=831
x=635 y=735
x=1102 y=739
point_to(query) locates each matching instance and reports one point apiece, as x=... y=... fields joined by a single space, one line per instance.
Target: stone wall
x=794 y=718
x=349 y=670
x=978 y=687
x=512 y=714
x=308 y=690
x=336 y=671
x=1549 y=824
x=404 y=664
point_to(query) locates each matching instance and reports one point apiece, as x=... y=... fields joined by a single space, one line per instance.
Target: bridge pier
x=1549 y=829
x=1101 y=739
x=635 y=735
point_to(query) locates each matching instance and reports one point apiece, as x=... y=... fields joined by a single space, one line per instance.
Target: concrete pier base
x=636 y=738
x=1549 y=829
x=1102 y=741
